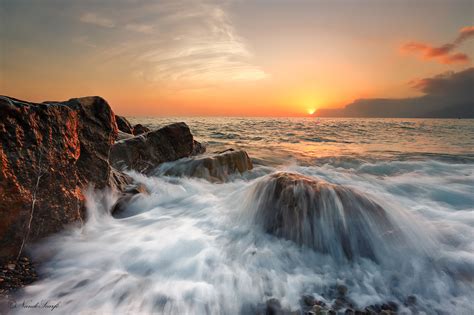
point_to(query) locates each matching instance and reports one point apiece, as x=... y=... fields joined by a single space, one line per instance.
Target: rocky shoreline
x=51 y=152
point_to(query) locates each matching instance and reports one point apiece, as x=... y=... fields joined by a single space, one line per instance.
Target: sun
x=311 y=111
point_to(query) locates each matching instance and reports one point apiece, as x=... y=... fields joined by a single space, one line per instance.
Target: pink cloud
x=443 y=54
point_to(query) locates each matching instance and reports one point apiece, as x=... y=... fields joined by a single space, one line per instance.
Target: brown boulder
x=216 y=167
x=145 y=152
x=328 y=218
x=48 y=153
x=123 y=124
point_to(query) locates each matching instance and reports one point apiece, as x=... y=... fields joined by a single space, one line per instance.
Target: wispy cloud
x=192 y=41
x=140 y=28
x=445 y=53
x=96 y=19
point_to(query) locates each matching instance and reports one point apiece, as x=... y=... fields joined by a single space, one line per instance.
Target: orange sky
x=231 y=58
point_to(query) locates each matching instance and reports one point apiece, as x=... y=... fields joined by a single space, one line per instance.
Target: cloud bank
x=445 y=53
x=449 y=95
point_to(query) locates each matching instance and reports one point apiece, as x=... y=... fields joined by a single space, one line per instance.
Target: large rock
x=328 y=218
x=48 y=153
x=144 y=152
x=123 y=124
x=215 y=167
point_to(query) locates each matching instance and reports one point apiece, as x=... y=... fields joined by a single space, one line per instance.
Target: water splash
x=196 y=247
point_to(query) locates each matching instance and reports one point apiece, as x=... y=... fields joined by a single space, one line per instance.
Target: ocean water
x=195 y=247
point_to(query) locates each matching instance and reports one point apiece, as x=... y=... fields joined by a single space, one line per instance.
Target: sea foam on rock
x=214 y=167
x=329 y=218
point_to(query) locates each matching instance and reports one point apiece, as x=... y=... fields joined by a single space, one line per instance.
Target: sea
x=192 y=245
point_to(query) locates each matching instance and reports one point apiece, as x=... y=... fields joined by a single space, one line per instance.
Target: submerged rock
x=127 y=196
x=123 y=124
x=326 y=217
x=145 y=152
x=48 y=153
x=216 y=167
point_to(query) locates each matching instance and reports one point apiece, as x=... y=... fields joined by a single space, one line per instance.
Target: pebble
x=338 y=304
x=16 y=274
x=309 y=300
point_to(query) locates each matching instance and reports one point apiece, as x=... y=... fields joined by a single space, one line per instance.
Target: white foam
x=190 y=247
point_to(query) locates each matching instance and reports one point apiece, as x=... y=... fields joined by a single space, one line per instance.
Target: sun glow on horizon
x=311 y=110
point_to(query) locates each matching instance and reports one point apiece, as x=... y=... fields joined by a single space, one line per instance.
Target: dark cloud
x=444 y=53
x=446 y=95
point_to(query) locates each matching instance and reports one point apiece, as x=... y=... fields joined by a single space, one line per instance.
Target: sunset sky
x=244 y=58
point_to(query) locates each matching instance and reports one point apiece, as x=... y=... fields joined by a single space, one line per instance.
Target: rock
x=329 y=218
x=338 y=304
x=123 y=124
x=128 y=195
x=349 y=311
x=216 y=167
x=393 y=306
x=373 y=309
x=140 y=129
x=318 y=309
x=48 y=153
x=143 y=153
x=199 y=148
x=118 y=180
x=309 y=300
x=273 y=307
x=390 y=306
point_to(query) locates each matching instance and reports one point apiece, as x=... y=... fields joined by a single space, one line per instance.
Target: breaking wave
x=385 y=230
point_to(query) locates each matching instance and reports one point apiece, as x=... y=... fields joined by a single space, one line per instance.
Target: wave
x=198 y=247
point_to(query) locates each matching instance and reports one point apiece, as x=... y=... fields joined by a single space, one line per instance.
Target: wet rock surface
x=336 y=303
x=126 y=197
x=139 y=129
x=48 y=153
x=123 y=124
x=145 y=152
x=214 y=167
x=15 y=274
x=326 y=217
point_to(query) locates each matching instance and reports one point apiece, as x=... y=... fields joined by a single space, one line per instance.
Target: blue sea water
x=192 y=247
